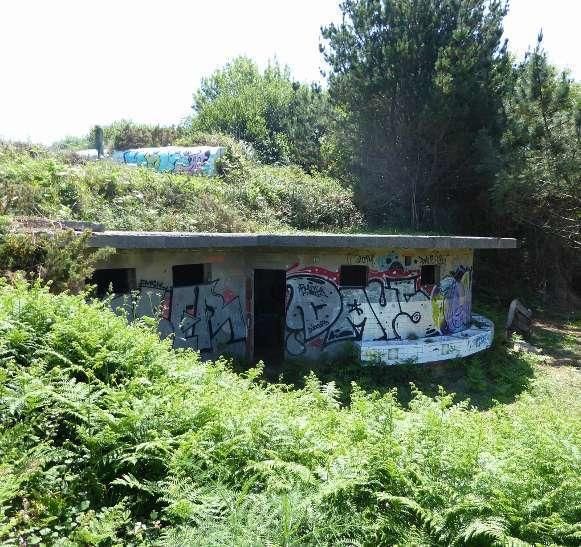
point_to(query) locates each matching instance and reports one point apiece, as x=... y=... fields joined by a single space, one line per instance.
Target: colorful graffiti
x=451 y=301
x=208 y=317
x=394 y=305
x=174 y=159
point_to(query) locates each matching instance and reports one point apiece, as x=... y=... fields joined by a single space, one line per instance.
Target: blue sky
x=68 y=65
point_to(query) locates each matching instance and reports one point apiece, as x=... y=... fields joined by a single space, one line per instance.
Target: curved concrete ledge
x=476 y=338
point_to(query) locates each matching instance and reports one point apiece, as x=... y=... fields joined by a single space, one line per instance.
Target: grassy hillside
x=107 y=436
x=246 y=197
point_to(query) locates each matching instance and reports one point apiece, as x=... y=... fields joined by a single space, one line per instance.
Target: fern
x=489 y=531
x=109 y=436
x=430 y=521
x=130 y=481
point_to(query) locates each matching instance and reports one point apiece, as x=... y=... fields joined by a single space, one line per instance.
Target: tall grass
x=108 y=436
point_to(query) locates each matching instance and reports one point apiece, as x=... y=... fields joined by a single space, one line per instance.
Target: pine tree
x=423 y=82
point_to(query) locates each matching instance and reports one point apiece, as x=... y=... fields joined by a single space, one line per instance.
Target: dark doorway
x=269 y=315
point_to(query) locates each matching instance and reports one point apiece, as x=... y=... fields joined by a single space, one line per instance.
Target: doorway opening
x=269 y=315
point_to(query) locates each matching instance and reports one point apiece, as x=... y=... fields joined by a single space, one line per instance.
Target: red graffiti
x=322 y=272
x=316 y=343
x=394 y=273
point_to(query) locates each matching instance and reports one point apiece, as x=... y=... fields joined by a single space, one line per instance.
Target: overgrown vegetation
x=110 y=437
x=61 y=258
x=427 y=118
x=245 y=197
x=107 y=436
x=124 y=134
x=284 y=120
x=537 y=193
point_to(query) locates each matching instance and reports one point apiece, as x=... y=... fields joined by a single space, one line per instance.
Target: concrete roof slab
x=201 y=240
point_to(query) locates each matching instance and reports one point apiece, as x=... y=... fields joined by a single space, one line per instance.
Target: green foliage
x=538 y=191
x=245 y=197
x=497 y=375
x=283 y=120
x=422 y=81
x=71 y=143
x=125 y=134
x=107 y=436
x=61 y=258
x=543 y=160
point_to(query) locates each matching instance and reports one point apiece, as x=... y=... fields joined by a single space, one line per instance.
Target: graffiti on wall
x=451 y=301
x=174 y=159
x=394 y=305
x=206 y=317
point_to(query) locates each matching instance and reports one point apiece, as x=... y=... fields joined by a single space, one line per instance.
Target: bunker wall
x=328 y=298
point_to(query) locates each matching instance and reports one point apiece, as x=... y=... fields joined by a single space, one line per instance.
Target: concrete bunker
x=263 y=296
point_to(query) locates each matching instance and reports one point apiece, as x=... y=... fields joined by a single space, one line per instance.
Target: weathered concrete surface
x=394 y=308
x=476 y=338
x=192 y=240
x=40 y=224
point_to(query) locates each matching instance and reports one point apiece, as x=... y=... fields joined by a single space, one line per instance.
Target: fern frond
x=130 y=481
x=424 y=518
x=488 y=531
x=277 y=467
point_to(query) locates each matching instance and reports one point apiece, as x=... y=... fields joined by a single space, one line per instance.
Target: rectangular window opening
x=407 y=260
x=353 y=276
x=116 y=280
x=430 y=274
x=185 y=275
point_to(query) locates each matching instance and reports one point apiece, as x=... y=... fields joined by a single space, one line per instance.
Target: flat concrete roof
x=201 y=240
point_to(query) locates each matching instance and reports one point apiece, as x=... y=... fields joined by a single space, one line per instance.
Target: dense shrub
x=107 y=436
x=246 y=197
x=125 y=134
x=60 y=257
x=284 y=120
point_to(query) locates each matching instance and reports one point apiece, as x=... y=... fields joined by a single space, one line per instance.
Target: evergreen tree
x=538 y=191
x=540 y=184
x=422 y=81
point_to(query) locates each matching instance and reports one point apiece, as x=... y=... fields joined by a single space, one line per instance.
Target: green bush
x=245 y=197
x=108 y=436
x=61 y=257
x=285 y=121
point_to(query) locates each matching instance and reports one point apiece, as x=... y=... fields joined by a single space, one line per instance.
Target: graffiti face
x=451 y=306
